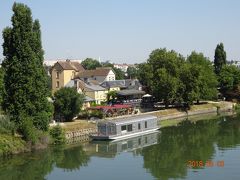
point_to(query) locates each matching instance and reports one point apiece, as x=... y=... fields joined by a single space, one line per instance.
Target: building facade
x=62 y=72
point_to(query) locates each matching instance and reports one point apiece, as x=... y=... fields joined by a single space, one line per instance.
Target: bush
x=58 y=135
x=28 y=130
x=6 y=126
x=11 y=145
x=67 y=103
x=98 y=114
x=84 y=114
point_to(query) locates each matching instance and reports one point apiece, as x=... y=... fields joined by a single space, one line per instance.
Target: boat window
x=139 y=141
x=124 y=146
x=145 y=124
x=123 y=128
x=139 y=125
x=129 y=127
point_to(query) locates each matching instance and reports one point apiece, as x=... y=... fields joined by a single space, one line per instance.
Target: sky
x=126 y=31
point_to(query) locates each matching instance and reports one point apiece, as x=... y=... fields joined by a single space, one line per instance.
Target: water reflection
x=112 y=148
x=38 y=164
x=164 y=154
x=189 y=141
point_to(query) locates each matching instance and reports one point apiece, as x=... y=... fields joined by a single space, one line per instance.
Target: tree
x=164 y=79
x=219 y=58
x=111 y=95
x=190 y=79
x=25 y=81
x=229 y=79
x=67 y=103
x=1 y=86
x=90 y=63
x=119 y=74
x=207 y=80
x=145 y=75
x=132 y=72
x=107 y=64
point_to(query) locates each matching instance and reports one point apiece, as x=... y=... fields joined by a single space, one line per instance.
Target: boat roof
x=132 y=119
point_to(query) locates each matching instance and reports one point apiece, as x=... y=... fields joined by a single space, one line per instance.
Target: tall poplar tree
x=25 y=80
x=219 y=58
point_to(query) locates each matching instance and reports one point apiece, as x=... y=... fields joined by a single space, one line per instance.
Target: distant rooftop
x=53 y=61
x=96 y=72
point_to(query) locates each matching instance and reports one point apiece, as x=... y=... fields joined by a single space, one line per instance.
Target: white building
x=235 y=63
x=123 y=67
x=99 y=74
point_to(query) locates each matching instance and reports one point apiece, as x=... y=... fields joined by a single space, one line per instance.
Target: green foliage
x=144 y=75
x=1 y=86
x=25 y=80
x=57 y=135
x=219 y=58
x=132 y=72
x=165 y=82
x=229 y=80
x=67 y=103
x=28 y=130
x=171 y=78
x=189 y=76
x=206 y=80
x=90 y=63
x=98 y=114
x=119 y=74
x=111 y=95
x=6 y=126
x=84 y=114
x=107 y=64
x=10 y=144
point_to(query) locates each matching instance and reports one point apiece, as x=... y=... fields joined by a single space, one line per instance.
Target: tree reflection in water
x=165 y=160
x=38 y=164
x=189 y=141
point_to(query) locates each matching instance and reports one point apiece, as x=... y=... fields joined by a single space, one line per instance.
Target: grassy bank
x=11 y=145
x=77 y=125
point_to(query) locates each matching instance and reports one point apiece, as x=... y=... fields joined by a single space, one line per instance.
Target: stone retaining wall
x=81 y=133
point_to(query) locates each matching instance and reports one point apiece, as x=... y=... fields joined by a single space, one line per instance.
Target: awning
x=128 y=92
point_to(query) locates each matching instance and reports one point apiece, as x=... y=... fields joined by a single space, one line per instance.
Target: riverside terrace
x=114 y=110
x=130 y=96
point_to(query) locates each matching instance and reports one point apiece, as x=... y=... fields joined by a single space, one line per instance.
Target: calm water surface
x=162 y=155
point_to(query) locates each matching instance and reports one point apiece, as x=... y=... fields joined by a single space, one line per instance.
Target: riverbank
x=166 y=117
x=79 y=130
x=11 y=145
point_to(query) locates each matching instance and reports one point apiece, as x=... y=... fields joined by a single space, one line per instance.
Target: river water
x=207 y=149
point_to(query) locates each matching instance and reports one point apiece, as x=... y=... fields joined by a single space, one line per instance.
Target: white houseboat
x=126 y=127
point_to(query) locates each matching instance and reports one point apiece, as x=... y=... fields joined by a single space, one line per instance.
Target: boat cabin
x=126 y=127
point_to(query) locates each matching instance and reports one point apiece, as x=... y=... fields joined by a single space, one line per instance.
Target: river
x=206 y=149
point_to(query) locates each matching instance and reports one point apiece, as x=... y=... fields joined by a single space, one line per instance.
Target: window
x=139 y=141
x=145 y=124
x=139 y=126
x=123 y=128
x=57 y=84
x=129 y=127
x=57 y=74
x=146 y=140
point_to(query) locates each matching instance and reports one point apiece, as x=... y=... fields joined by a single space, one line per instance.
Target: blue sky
x=128 y=30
